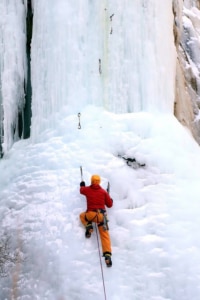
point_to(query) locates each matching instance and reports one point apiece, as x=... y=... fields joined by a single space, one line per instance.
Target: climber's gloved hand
x=82 y=183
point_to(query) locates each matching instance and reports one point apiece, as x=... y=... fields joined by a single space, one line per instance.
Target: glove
x=82 y=183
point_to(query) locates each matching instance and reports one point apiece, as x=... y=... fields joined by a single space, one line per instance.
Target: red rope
x=100 y=262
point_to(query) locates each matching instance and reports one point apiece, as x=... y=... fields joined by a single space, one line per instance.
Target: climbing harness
x=79 y=123
x=103 y=223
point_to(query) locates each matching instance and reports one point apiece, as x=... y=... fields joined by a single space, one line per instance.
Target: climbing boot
x=108 y=260
x=89 y=230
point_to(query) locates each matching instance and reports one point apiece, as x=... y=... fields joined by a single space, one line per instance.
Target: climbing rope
x=100 y=262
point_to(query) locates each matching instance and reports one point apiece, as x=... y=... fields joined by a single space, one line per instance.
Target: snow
x=127 y=111
x=154 y=223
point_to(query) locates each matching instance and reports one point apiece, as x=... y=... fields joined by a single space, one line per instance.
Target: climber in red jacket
x=97 y=199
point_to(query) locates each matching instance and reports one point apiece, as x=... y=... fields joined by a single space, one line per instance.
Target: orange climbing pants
x=97 y=217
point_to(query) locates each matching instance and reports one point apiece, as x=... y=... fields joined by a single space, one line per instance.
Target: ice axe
x=81 y=173
x=108 y=187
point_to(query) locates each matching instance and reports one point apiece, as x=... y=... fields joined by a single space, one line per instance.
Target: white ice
x=154 y=223
x=125 y=110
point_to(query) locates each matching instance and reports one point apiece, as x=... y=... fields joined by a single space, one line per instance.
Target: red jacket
x=97 y=198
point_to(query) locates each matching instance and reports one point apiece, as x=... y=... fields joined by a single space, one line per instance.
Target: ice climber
x=97 y=199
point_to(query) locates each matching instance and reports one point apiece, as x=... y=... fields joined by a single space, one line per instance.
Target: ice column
x=12 y=69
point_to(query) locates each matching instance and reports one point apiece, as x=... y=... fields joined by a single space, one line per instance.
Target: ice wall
x=12 y=68
x=116 y=54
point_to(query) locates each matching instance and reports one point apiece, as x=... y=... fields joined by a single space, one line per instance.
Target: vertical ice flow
x=12 y=68
x=116 y=54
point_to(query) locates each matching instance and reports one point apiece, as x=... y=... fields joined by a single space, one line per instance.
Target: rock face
x=187 y=41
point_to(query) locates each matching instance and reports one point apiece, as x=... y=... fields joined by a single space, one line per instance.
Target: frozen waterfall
x=114 y=62
x=116 y=54
x=12 y=69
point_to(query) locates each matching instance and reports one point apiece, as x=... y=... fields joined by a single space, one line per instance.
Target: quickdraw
x=105 y=221
x=79 y=123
